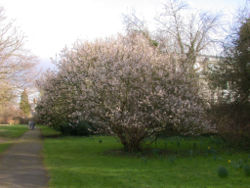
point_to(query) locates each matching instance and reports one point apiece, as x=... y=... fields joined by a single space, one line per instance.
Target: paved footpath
x=21 y=166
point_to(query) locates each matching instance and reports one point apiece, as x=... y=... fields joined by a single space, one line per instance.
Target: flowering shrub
x=126 y=86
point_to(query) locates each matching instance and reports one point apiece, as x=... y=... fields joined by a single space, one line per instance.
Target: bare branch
x=16 y=64
x=184 y=32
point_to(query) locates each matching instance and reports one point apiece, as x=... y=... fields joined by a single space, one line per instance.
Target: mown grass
x=99 y=162
x=48 y=132
x=12 y=131
x=8 y=133
x=4 y=146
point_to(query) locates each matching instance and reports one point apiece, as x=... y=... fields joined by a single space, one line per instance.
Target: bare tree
x=133 y=23
x=186 y=33
x=16 y=64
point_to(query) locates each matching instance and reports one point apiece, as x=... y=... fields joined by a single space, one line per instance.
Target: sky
x=50 y=25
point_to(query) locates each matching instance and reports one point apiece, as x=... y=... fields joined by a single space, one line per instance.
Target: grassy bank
x=99 y=162
x=8 y=133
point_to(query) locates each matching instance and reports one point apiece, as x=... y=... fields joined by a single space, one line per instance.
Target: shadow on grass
x=52 y=136
x=179 y=147
x=160 y=153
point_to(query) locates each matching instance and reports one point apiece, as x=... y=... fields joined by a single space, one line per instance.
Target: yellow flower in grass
x=229 y=161
x=208 y=147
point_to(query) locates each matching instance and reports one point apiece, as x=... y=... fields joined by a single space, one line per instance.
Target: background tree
x=24 y=103
x=188 y=33
x=232 y=73
x=135 y=25
x=231 y=76
x=17 y=65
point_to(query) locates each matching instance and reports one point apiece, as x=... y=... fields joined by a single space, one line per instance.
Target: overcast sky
x=49 y=25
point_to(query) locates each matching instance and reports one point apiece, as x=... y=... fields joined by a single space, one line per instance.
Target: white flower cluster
x=126 y=86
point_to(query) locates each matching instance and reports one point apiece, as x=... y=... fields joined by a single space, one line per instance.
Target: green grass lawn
x=99 y=162
x=12 y=131
x=8 y=133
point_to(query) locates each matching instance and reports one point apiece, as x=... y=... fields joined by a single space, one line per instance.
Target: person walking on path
x=21 y=166
x=31 y=124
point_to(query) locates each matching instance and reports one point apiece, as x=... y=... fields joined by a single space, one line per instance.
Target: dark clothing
x=32 y=124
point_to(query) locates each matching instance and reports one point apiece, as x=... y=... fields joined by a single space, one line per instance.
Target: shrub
x=247 y=170
x=222 y=172
x=232 y=122
x=126 y=86
x=83 y=128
